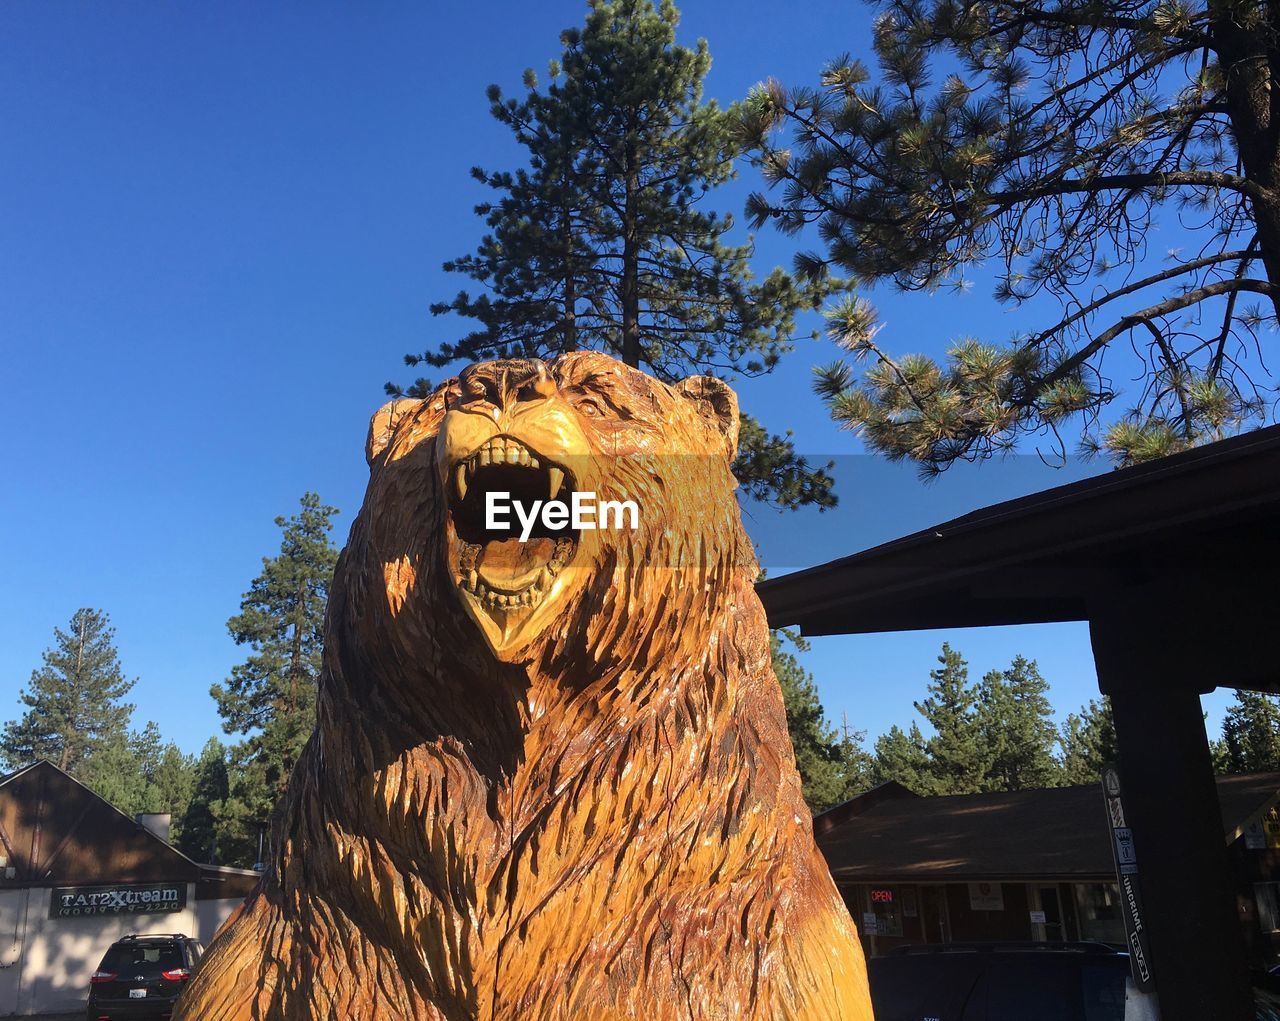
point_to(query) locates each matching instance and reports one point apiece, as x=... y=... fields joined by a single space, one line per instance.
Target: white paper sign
x=986 y=897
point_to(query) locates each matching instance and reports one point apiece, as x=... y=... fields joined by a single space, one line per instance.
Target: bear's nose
x=537 y=384
x=504 y=384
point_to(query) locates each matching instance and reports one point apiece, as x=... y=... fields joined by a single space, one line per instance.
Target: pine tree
x=1088 y=743
x=1251 y=733
x=858 y=765
x=169 y=787
x=901 y=757
x=271 y=696
x=1045 y=140
x=602 y=241
x=139 y=772
x=198 y=834
x=1016 y=729
x=113 y=771
x=74 y=703
x=819 y=754
x=957 y=760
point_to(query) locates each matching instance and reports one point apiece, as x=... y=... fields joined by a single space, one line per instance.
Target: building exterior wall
x=210 y=914
x=1256 y=871
x=914 y=913
x=56 y=834
x=45 y=963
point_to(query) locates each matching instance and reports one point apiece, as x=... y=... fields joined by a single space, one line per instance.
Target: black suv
x=141 y=977
x=1007 y=982
x=1021 y=982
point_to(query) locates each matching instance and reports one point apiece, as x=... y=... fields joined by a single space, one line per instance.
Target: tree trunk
x=64 y=760
x=631 y=259
x=1253 y=107
x=295 y=652
x=570 y=319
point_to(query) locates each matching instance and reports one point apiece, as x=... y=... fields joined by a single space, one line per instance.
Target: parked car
x=1007 y=982
x=141 y=977
x=1022 y=982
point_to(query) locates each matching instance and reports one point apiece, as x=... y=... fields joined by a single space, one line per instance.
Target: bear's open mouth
x=506 y=573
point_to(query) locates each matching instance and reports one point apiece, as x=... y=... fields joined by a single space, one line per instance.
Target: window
x=140 y=955
x=1020 y=989
x=886 y=906
x=924 y=985
x=1267 y=896
x=1105 y=988
x=1098 y=909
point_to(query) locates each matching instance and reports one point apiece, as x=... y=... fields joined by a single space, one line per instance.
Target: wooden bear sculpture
x=551 y=776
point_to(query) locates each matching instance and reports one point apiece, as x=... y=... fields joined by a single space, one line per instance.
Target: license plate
x=137 y=994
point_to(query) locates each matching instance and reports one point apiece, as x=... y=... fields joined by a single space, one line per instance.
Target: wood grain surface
x=549 y=779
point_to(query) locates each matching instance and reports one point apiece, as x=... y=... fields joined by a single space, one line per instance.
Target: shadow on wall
x=60 y=954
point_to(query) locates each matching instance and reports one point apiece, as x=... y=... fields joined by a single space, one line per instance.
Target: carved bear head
x=463 y=483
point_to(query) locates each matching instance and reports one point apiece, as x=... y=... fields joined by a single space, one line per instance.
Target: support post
x=1171 y=801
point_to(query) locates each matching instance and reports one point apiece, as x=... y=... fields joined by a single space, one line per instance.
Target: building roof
x=890 y=834
x=1044 y=557
x=55 y=831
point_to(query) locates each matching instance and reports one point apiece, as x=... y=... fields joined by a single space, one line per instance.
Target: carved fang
x=557 y=480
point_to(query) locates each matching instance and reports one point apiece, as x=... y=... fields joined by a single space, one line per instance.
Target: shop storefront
x=1032 y=865
x=75 y=876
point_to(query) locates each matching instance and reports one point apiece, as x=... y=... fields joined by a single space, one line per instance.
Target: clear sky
x=220 y=229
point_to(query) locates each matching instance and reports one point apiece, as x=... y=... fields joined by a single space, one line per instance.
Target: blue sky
x=223 y=225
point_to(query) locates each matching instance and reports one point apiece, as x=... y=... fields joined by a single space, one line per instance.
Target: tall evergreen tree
x=75 y=701
x=198 y=835
x=113 y=771
x=603 y=241
x=170 y=784
x=1251 y=733
x=1088 y=743
x=1016 y=729
x=859 y=765
x=819 y=753
x=271 y=696
x=1045 y=140
x=957 y=759
x=901 y=756
x=140 y=772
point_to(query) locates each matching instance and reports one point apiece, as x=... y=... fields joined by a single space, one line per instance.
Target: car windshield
x=142 y=957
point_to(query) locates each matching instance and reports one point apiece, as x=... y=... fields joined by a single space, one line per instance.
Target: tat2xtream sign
x=1127 y=876
x=87 y=901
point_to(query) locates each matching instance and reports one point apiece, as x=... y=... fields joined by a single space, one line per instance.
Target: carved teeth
x=526 y=598
x=500 y=450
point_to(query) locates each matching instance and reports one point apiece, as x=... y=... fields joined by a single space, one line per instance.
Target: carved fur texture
x=586 y=808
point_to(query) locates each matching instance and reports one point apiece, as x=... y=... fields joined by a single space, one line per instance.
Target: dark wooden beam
x=1197 y=947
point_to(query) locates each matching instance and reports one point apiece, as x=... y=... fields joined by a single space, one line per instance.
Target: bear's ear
x=384 y=424
x=717 y=403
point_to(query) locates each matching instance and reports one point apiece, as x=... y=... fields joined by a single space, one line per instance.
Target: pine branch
x=1172 y=304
